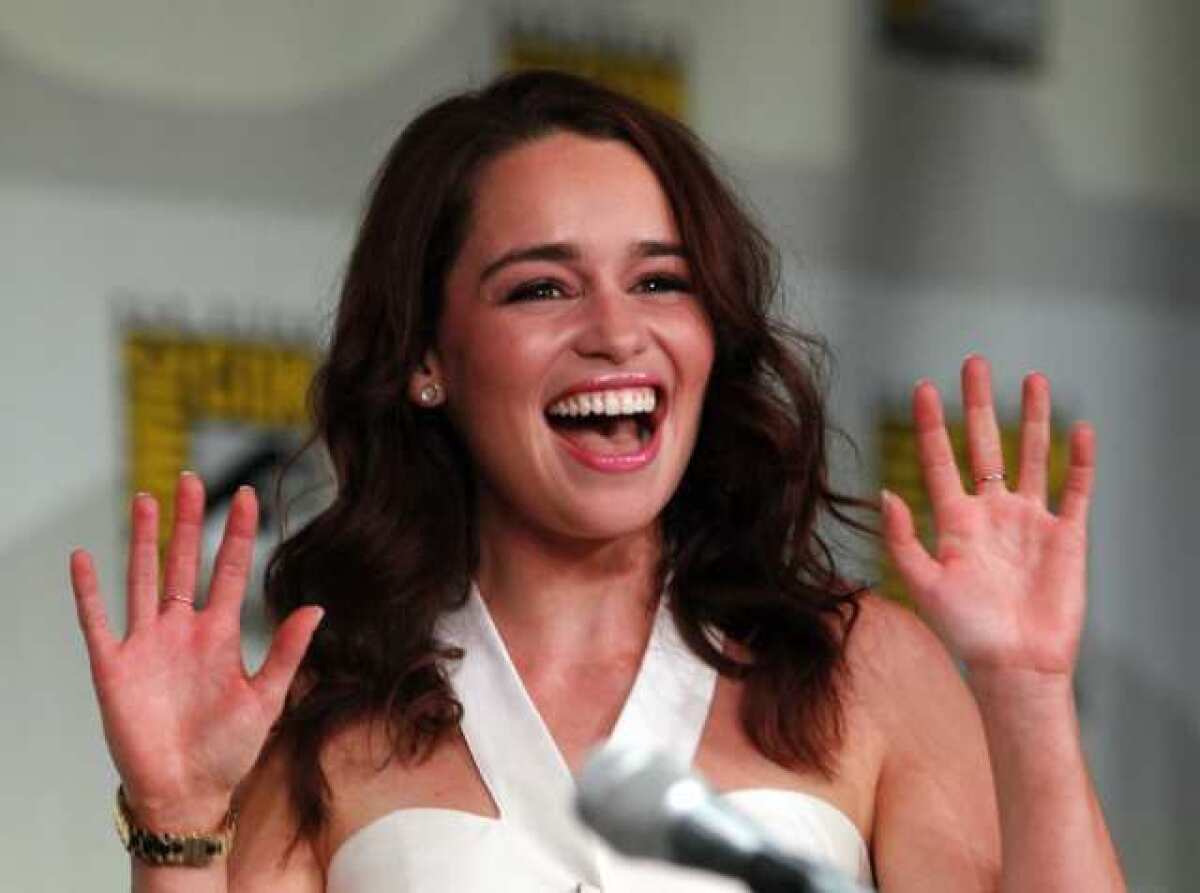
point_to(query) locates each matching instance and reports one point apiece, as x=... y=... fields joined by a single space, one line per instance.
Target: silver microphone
x=647 y=803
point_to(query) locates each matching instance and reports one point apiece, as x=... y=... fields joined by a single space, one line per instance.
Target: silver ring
x=172 y=597
x=994 y=476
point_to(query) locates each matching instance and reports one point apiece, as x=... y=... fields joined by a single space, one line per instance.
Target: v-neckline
x=518 y=759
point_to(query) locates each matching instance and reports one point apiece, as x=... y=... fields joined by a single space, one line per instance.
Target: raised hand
x=183 y=719
x=1005 y=587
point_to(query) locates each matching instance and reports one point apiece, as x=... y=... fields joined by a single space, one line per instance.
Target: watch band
x=193 y=849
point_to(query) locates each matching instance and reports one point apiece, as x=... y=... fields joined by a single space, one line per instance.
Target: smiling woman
x=571 y=255
x=582 y=494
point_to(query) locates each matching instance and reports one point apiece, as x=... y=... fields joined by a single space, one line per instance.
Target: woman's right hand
x=183 y=719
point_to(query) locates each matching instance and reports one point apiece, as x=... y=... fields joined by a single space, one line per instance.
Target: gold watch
x=194 y=850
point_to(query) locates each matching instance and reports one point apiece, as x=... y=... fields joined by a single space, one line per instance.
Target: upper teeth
x=625 y=401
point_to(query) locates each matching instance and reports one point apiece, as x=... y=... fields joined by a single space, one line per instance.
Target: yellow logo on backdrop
x=176 y=380
x=654 y=76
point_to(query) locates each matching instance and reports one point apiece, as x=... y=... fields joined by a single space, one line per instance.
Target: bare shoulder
x=935 y=813
x=897 y=663
x=908 y=683
x=262 y=858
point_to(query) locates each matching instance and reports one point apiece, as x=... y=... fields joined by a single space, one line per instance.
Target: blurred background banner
x=1013 y=178
x=634 y=63
x=225 y=405
x=1006 y=34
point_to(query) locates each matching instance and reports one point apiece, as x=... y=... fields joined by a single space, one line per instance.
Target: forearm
x=1053 y=833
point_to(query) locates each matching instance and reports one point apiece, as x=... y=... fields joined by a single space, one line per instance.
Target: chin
x=610 y=519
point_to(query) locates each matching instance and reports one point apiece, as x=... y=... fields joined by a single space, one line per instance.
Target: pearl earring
x=431 y=394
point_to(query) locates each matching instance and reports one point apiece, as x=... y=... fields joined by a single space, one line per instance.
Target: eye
x=660 y=283
x=540 y=290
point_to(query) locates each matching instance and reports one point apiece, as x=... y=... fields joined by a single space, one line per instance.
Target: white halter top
x=537 y=843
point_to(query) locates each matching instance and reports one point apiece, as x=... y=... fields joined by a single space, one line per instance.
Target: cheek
x=704 y=352
x=499 y=363
x=697 y=345
x=494 y=377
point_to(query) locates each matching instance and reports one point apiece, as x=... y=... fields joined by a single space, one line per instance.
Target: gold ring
x=190 y=602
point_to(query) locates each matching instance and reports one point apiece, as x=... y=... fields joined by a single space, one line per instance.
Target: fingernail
x=245 y=488
x=187 y=473
x=140 y=493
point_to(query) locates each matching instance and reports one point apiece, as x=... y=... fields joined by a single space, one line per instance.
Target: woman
x=579 y=481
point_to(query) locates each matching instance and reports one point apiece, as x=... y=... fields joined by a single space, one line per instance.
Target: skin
x=934 y=770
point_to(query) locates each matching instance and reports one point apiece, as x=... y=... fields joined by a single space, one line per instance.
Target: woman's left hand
x=1005 y=587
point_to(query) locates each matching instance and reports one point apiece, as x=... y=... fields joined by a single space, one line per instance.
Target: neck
x=566 y=600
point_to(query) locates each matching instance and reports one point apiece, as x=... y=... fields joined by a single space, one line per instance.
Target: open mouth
x=602 y=434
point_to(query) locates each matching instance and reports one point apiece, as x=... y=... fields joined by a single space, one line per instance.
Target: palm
x=183 y=720
x=181 y=707
x=1006 y=583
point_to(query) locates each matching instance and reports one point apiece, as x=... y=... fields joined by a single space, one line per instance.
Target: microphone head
x=647 y=804
x=629 y=797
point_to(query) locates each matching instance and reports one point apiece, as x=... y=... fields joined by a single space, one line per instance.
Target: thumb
x=287 y=650
x=915 y=564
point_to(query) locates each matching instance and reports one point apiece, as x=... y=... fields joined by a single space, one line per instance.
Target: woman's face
x=572 y=281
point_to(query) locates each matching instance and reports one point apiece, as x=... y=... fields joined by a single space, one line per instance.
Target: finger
x=183 y=554
x=1035 y=437
x=142 y=575
x=287 y=650
x=934 y=452
x=983 y=434
x=1077 y=492
x=89 y=605
x=236 y=554
x=915 y=564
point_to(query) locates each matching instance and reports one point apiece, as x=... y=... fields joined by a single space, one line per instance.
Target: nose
x=614 y=326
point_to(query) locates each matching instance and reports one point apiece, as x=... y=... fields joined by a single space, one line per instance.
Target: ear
x=429 y=372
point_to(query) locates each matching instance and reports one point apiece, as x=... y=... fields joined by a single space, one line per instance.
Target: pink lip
x=628 y=462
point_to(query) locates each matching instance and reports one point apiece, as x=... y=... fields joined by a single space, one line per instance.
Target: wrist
x=1028 y=699
x=1019 y=683
x=157 y=847
x=180 y=814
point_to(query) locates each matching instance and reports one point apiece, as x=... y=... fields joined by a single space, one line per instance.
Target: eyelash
x=526 y=292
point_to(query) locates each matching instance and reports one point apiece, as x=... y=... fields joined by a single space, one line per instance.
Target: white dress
x=537 y=843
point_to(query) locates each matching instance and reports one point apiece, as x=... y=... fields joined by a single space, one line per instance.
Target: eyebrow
x=566 y=251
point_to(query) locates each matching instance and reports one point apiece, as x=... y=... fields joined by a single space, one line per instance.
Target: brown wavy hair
x=397 y=547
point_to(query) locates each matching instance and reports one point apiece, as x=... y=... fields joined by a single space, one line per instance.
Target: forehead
x=568 y=188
